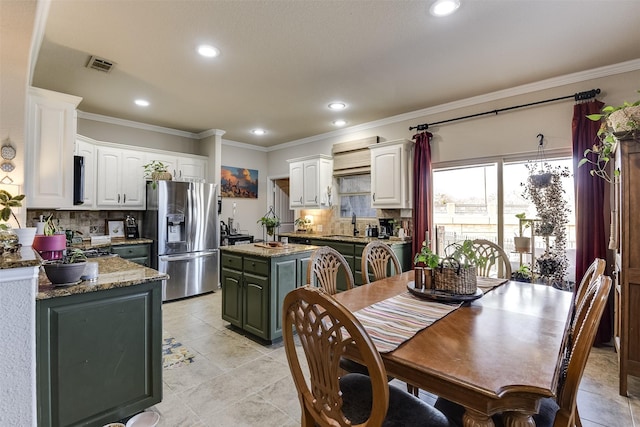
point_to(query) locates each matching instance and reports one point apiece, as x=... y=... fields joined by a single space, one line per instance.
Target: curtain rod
x=580 y=96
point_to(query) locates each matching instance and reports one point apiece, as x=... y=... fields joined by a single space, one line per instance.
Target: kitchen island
x=351 y=248
x=99 y=345
x=255 y=280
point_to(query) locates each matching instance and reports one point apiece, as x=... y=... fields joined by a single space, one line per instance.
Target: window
x=355 y=196
x=466 y=206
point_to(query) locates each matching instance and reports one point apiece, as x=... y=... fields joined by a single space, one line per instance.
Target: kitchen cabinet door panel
x=256 y=319
x=133 y=189
x=296 y=185
x=391 y=174
x=120 y=182
x=309 y=181
x=232 y=296
x=109 y=176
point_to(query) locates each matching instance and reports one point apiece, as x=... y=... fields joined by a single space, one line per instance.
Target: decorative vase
x=25 y=235
x=522 y=244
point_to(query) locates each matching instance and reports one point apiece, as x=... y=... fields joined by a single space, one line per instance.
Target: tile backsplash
x=85 y=223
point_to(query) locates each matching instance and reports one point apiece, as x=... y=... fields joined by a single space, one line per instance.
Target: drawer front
x=259 y=266
x=131 y=251
x=233 y=262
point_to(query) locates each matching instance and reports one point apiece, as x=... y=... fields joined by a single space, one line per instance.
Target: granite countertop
x=253 y=249
x=344 y=238
x=25 y=257
x=115 y=241
x=113 y=272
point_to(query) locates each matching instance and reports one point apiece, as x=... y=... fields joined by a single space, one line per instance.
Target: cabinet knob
x=125 y=199
x=316 y=199
x=118 y=197
x=374 y=196
x=300 y=199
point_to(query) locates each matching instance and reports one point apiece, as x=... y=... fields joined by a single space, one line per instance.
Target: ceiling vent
x=100 y=64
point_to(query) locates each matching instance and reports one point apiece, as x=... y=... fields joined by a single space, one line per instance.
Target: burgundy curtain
x=591 y=238
x=421 y=189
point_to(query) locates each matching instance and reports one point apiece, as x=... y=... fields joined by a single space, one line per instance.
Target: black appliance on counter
x=386 y=228
x=131 y=228
x=239 y=239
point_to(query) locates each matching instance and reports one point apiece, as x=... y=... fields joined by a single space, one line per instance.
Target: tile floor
x=234 y=381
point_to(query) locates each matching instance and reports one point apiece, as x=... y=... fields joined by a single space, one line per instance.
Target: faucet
x=353 y=221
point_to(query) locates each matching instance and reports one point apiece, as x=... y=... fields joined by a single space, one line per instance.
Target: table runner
x=393 y=321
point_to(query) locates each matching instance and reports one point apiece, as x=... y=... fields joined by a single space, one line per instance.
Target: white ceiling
x=283 y=61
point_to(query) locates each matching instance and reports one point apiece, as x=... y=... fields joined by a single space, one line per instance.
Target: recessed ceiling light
x=141 y=102
x=339 y=122
x=208 y=51
x=336 y=105
x=444 y=7
x=258 y=131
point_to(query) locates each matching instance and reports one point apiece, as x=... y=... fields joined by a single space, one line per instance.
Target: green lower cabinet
x=253 y=290
x=138 y=253
x=347 y=251
x=99 y=355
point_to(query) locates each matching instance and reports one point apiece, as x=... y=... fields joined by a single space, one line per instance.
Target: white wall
x=248 y=211
x=18 y=348
x=109 y=132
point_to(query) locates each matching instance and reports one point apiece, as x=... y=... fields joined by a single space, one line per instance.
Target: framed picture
x=115 y=228
x=238 y=182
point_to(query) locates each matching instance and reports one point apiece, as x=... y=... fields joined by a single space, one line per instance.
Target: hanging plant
x=553 y=212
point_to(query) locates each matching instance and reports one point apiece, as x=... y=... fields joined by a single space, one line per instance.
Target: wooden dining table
x=497 y=354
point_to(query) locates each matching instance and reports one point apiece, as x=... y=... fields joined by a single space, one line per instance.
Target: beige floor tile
x=250 y=412
x=185 y=377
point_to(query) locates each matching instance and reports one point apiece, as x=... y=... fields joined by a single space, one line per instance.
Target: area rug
x=174 y=354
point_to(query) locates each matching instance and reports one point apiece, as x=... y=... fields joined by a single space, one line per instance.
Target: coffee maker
x=131 y=228
x=386 y=228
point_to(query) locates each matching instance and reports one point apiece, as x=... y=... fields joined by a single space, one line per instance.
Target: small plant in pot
x=522 y=274
x=53 y=242
x=269 y=223
x=425 y=262
x=66 y=270
x=8 y=202
x=301 y=224
x=619 y=123
x=156 y=171
x=522 y=243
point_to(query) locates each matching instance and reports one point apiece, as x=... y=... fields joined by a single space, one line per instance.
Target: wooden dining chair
x=496 y=263
x=326 y=329
x=324 y=264
x=375 y=258
x=563 y=410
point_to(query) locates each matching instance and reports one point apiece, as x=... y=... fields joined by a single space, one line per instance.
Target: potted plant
x=7 y=201
x=551 y=208
x=53 y=242
x=522 y=274
x=425 y=262
x=270 y=223
x=156 y=171
x=302 y=224
x=66 y=270
x=522 y=243
x=457 y=272
x=620 y=123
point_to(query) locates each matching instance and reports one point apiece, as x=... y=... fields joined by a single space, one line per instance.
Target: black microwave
x=78 y=180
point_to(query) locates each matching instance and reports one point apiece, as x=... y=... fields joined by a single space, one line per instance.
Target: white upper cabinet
x=310 y=182
x=120 y=183
x=51 y=133
x=87 y=150
x=182 y=168
x=392 y=174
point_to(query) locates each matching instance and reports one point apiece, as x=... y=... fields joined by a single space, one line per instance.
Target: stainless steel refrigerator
x=182 y=221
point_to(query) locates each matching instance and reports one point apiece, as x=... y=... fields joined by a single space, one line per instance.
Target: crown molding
x=244 y=145
x=136 y=125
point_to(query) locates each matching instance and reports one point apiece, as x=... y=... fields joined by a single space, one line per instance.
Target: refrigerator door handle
x=187 y=257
